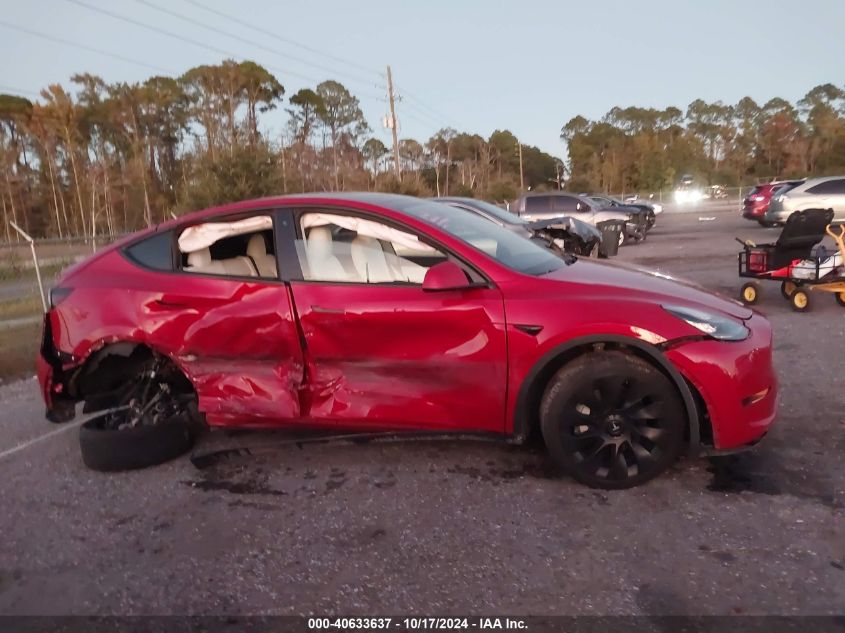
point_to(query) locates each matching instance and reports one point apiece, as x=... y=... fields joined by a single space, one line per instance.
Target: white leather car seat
x=256 y=249
x=200 y=262
x=370 y=261
x=324 y=265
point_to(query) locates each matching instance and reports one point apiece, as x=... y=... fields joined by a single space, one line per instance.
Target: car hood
x=654 y=285
x=586 y=232
x=626 y=209
x=609 y=214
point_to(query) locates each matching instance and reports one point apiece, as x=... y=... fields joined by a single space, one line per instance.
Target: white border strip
x=64 y=428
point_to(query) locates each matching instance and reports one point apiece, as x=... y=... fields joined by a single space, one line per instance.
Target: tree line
x=646 y=149
x=105 y=158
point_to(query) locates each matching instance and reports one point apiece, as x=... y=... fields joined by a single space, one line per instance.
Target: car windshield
x=507 y=248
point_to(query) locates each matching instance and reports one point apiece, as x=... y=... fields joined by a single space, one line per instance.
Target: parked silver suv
x=815 y=193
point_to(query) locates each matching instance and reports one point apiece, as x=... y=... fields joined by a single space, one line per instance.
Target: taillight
x=758 y=198
x=57 y=295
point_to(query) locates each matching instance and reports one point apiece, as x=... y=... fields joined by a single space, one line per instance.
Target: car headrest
x=201 y=257
x=256 y=247
x=320 y=242
x=365 y=241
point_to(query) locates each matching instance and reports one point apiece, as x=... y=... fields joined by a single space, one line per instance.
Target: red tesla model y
x=375 y=312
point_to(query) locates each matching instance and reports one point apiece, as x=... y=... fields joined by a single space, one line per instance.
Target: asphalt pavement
x=448 y=527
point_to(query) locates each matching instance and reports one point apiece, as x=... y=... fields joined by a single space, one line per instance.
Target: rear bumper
x=777 y=215
x=737 y=382
x=49 y=371
x=755 y=212
x=45 y=378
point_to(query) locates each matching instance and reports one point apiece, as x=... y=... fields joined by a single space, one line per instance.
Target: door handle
x=322 y=310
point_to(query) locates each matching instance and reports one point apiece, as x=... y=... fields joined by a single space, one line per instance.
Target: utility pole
x=521 y=177
x=393 y=123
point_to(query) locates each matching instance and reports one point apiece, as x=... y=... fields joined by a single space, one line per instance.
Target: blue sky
x=475 y=65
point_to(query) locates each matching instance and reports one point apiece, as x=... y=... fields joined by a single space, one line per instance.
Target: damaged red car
x=375 y=312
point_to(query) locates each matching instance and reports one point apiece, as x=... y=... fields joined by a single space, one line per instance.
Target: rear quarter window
x=830 y=186
x=155 y=252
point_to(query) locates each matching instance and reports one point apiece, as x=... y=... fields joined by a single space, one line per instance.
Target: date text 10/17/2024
x=416 y=623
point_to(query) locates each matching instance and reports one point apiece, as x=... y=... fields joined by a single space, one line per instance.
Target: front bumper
x=737 y=382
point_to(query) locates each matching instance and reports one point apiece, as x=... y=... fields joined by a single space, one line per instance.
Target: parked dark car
x=564 y=233
x=541 y=206
x=757 y=202
x=651 y=209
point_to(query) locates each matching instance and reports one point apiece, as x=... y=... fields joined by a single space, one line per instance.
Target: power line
x=422 y=106
x=19 y=90
x=176 y=36
x=249 y=42
x=427 y=119
x=53 y=38
x=257 y=29
x=188 y=40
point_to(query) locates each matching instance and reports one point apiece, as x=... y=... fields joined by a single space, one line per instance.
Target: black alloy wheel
x=612 y=420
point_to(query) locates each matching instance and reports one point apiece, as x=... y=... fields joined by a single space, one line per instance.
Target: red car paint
x=364 y=356
x=756 y=203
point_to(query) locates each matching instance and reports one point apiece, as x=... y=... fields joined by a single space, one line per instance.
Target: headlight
x=780 y=198
x=720 y=327
x=657 y=208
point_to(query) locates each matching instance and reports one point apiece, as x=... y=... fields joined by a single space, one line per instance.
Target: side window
x=241 y=248
x=352 y=249
x=537 y=204
x=154 y=252
x=565 y=204
x=830 y=186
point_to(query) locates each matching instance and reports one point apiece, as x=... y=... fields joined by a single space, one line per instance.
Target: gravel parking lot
x=448 y=527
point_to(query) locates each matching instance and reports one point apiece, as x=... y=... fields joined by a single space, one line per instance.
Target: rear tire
x=107 y=449
x=611 y=420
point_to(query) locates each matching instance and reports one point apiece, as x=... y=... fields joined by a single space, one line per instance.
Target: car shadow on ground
x=247 y=462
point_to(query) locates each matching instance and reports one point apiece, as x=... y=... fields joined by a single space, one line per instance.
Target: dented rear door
x=238 y=342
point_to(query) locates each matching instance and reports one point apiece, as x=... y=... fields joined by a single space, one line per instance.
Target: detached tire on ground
x=612 y=420
x=108 y=449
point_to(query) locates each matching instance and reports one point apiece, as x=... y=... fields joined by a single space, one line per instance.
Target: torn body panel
x=390 y=356
x=236 y=340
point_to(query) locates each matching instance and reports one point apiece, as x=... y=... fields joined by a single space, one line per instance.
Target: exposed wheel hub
x=614 y=425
